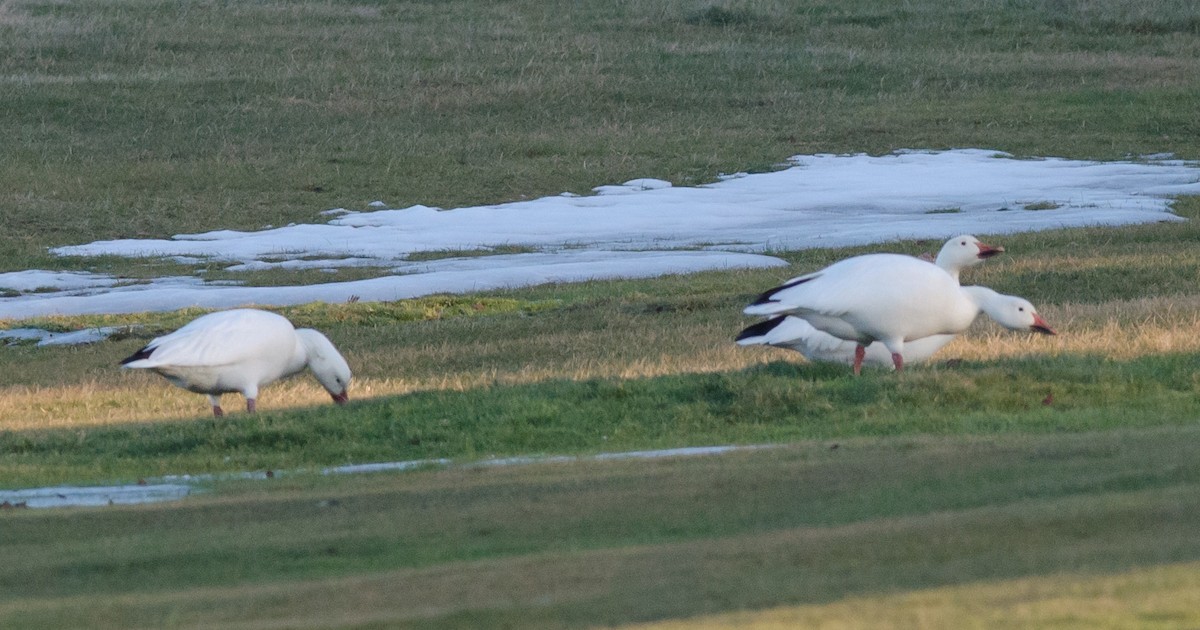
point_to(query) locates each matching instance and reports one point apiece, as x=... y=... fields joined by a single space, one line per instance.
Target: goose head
x=1010 y=311
x=326 y=363
x=964 y=251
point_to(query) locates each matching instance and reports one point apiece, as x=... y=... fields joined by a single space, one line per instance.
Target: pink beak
x=340 y=398
x=1041 y=326
x=987 y=251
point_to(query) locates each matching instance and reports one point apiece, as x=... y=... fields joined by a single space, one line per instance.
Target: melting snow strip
x=175 y=487
x=75 y=496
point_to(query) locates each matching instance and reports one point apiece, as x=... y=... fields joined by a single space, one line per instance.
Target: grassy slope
x=1155 y=597
x=138 y=117
x=571 y=546
x=583 y=368
x=1114 y=358
x=940 y=476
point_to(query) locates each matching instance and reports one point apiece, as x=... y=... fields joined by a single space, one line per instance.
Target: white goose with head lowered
x=794 y=333
x=241 y=350
x=892 y=299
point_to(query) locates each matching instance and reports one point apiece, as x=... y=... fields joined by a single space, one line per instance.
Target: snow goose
x=892 y=299
x=964 y=251
x=794 y=333
x=241 y=350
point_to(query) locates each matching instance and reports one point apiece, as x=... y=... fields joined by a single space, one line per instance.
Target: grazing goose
x=892 y=299
x=794 y=333
x=239 y=351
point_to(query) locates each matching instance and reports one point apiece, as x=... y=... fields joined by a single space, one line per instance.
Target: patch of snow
x=47 y=338
x=297 y=265
x=822 y=200
x=647 y=227
x=24 y=334
x=451 y=275
x=37 y=279
x=692 y=451
x=357 y=469
x=92 y=496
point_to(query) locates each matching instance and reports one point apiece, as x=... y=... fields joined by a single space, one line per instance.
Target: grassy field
x=583 y=545
x=142 y=118
x=1015 y=482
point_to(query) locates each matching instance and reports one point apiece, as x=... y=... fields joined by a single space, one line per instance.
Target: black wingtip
x=761 y=328
x=144 y=353
x=766 y=297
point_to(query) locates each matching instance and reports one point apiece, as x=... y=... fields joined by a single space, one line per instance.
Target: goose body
x=795 y=333
x=892 y=299
x=240 y=351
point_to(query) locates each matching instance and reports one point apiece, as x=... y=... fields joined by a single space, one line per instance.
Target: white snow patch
x=646 y=227
x=91 y=496
x=47 y=338
x=37 y=279
x=452 y=275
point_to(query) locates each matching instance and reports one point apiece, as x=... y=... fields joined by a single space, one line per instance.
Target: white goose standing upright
x=795 y=333
x=241 y=350
x=892 y=299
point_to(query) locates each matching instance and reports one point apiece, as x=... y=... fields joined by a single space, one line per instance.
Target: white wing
x=224 y=338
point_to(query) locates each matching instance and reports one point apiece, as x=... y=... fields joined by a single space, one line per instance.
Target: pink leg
x=250 y=405
x=860 y=351
x=898 y=361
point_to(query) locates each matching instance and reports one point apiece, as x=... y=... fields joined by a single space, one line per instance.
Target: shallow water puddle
x=175 y=487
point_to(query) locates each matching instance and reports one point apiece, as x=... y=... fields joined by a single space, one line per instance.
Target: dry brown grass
x=1158 y=597
x=1118 y=330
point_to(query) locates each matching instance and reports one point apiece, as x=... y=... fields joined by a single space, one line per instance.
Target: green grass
x=555 y=546
x=139 y=118
x=468 y=253
x=142 y=119
x=775 y=403
x=465 y=363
